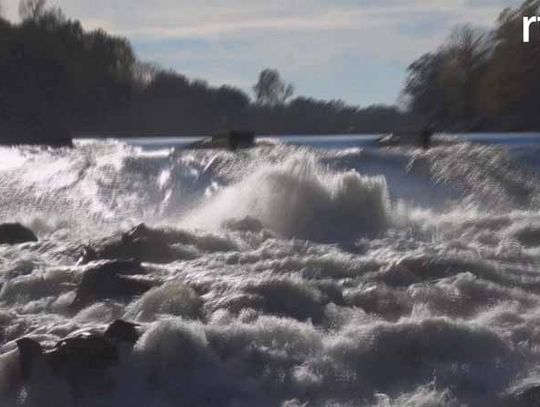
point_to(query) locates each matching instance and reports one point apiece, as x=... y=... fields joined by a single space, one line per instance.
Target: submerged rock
x=525 y=397
x=173 y=298
x=121 y=331
x=111 y=280
x=14 y=233
x=142 y=244
x=82 y=361
x=528 y=236
x=233 y=141
x=152 y=245
x=30 y=353
x=247 y=224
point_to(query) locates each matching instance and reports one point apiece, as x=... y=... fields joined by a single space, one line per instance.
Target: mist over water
x=312 y=276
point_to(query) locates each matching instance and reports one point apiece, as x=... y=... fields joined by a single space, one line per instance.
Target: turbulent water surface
x=381 y=277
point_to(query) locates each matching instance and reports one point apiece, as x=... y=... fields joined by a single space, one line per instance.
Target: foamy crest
x=299 y=199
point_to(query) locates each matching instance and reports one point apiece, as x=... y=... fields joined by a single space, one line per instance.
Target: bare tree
x=32 y=9
x=271 y=90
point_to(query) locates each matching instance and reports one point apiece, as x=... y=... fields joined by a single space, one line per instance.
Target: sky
x=354 y=50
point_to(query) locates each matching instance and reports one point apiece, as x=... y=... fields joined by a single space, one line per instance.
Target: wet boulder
x=82 y=352
x=289 y=298
x=30 y=353
x=15 y=233
x=528 y=236
x=113 y=280
x=122 y=332
x=359 y=247
x=83 y=361
x=247 y=224
x=528 y=396
x=418 y=269
x=383 y=301
x=233 y=141
x=142 y=244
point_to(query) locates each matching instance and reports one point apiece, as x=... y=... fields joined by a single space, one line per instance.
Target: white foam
x=406 y=305
x=297 y=198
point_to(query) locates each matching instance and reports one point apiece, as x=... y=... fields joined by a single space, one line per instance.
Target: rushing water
x=382 y=277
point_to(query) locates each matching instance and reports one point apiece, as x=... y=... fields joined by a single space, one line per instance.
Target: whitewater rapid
x=312 y=277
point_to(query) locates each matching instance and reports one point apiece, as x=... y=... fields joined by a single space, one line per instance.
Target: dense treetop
x=481 y=79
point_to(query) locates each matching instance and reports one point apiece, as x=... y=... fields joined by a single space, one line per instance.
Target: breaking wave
x=297 y=198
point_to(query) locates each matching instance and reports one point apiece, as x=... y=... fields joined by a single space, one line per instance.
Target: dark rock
x=168 y=236
x=120 y=267
x=412 y=270
x=83 y=361
x=29 y=353
x=80 y=353
x=525 y=397
x=233 y=141
x=360 y=248
x=122 y=332
x=14 y=233
x=529 y=236
x=142 y=244
x=288 y=298
x=248 y=224
x=383 y=301
x=111 y=280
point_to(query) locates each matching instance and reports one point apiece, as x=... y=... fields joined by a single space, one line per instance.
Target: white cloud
x=210 y=18
x=374 y=27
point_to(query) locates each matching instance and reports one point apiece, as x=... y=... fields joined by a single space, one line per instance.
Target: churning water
x=324 y=272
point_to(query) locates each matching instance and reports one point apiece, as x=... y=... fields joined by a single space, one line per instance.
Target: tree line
x=480 y=80
x=58 y=79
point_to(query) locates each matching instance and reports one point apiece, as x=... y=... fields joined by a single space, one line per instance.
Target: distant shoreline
x=165 y=139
